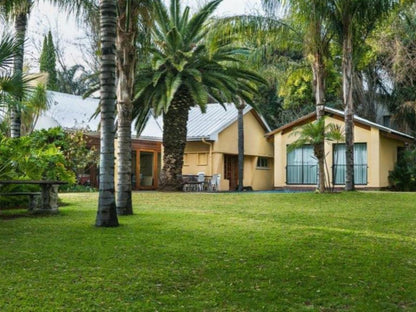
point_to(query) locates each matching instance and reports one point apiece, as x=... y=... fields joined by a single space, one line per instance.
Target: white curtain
x=360 y=163
x=294 y=166
x=301 y=166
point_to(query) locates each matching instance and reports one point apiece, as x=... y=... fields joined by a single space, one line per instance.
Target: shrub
x=403 y=176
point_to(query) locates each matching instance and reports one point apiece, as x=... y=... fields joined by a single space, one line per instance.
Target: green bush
x=47 y=154
x=403 y=176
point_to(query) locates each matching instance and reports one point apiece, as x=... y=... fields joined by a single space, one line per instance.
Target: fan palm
x=188 y=68
x=315 y=134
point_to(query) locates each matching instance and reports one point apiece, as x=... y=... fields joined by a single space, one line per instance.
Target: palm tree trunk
x=174 y=140
x=126 y=65
x=347 y=75
x=106 y=214
x=318 y=70
x=241 y=146
x=20 y=29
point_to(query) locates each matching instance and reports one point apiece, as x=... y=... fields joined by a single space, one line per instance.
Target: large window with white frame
x=302 y=166
x=360 y=164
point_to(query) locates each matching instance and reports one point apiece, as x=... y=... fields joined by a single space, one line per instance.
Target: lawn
x=216 y=252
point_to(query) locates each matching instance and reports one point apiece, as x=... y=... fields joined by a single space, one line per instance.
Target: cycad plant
x=315 y=134
x=189 y=67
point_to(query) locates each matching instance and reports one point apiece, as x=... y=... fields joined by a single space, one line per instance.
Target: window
x=202 y=159
x=386 y=120
x=186 y=159
x=262 y=163
x=360 y=164
x=301 y=166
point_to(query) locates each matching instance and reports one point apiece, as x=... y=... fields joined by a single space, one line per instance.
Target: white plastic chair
x=214 y=183
x=201 y=181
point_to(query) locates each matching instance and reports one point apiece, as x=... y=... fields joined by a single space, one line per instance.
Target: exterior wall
x=388 y=159
x=381 y=154
x=255 y=145
x=197 y=158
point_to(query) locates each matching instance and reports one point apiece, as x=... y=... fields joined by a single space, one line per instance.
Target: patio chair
x=214 y=183
x=201 y=181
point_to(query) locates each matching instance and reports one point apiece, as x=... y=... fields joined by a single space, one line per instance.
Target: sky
x=70 y=36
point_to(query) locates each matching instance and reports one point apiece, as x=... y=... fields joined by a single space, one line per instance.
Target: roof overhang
x=358 y=121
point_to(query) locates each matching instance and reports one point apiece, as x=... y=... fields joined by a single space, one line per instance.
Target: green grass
x=216 y=252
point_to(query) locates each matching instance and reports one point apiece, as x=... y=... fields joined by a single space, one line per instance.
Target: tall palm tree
x=188 y=67
x=107 y=214
x=130 y=14
x=19 y=10
x=311 y=15
x=351 y=19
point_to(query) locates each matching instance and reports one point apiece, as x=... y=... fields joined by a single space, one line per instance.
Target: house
x=376 y=150
x=212 y=144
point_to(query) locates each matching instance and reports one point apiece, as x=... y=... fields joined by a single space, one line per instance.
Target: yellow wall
x=388 y=159
x=197 y=158
x=255 y=144
x=381 y=154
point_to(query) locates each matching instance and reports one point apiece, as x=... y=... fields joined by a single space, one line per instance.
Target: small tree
x=315 y=134
x=48 y=61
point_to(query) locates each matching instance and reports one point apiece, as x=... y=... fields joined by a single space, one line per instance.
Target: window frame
x=355 y=164
x=261 y=166
x=302 y=168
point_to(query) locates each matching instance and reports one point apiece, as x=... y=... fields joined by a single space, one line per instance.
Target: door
x=147 y=176
x=231 y=170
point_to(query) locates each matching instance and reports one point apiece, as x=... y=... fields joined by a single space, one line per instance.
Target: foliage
x=77 y=80
x=221 y=252
x=403 y=176
x=183 y=54
x=47 y=61
x=21 y=158
x=315 y=133
x=46 y=154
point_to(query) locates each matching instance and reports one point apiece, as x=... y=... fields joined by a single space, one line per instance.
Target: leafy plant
x=403 y=176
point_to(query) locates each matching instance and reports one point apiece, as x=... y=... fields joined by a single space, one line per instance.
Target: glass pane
x=360 y=163
x=294 y=166
x=133 y=169
x=146 y=169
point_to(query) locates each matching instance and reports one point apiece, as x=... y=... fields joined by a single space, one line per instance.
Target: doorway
x=231 y=170
x=148 y=168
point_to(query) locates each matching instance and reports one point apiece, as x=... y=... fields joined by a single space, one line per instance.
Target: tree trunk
x=107 y=214
x=126 y=65
x=347 y=85
x=241 y=146
x=318 y=70
x=20 y=29
x=174 y=140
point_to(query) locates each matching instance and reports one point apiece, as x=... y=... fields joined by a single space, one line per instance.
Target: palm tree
x=131 y=13
x=107 y=214
x=315 y=134
x=13 y=86
x=20 y=11
x=316 y=38
x=352 y=19
x=188 y=67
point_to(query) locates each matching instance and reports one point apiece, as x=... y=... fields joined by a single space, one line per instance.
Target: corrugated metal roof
x=70 y=112
x=341 y=114
x=73 y=112
x=208 y=125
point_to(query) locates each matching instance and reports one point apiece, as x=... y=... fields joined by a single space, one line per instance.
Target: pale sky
x=71 y=37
